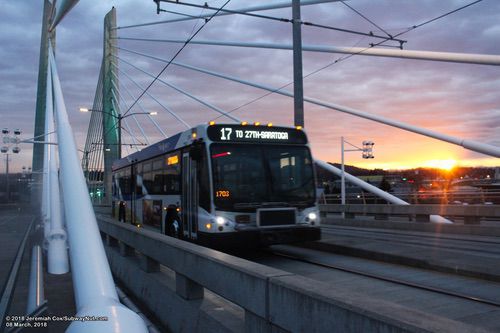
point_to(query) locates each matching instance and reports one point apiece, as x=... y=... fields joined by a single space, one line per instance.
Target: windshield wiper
x=261 y=204
x=275 y=204
x=304 y=203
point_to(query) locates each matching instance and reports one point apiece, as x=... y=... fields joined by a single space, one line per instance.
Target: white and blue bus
x=222 y=185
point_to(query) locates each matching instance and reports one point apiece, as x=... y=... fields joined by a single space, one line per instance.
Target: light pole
x=367 y=152
x=119 y=118
x=8 y=140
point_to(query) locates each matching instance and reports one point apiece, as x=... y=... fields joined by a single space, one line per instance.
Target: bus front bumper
x=259 y=237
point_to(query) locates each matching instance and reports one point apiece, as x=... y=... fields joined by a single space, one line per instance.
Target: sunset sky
x=462 y=100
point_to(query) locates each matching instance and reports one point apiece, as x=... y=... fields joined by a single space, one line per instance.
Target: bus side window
x=124 y=182
x=138 y=179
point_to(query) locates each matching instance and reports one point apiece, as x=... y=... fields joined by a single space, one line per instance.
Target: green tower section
x=41 y=96
x=110 y=104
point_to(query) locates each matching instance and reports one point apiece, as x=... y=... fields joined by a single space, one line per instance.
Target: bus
x=222 y=185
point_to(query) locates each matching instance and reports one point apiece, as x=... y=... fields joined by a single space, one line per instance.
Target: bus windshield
x=249 y=176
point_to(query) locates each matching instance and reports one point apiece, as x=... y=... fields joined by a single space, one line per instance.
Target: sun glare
x=441 y=164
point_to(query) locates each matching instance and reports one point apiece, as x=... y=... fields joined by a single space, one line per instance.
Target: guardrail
x=263 y=299
x=478 y=196
x=471 y=214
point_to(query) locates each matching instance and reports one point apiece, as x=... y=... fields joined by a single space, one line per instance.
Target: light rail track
x=388 y=279
x=452 y=242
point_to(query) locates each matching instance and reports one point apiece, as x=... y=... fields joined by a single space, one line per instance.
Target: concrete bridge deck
x=445 y=252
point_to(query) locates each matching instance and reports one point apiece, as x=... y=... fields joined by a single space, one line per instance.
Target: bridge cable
x=95 y=127
x=279 y=19
x=122 y=99
x=141 y=107
x=135 y=141
x=155 y=99
x=199 y=100
x=277 y=5
x=175 y=56
x=357 y=53
x=351 y=55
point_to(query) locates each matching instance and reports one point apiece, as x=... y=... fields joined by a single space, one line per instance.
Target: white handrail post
x=45 y=178
x=57 y=254
x=35 y=293
x=95 y=292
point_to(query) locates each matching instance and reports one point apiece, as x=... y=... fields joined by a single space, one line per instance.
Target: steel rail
x=421 y=234
x=414 y=240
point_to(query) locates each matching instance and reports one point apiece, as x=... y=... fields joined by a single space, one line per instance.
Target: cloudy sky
x=462 y=100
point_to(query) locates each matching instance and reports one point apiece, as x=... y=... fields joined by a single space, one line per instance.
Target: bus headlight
x=220 y=220
x=312 y=216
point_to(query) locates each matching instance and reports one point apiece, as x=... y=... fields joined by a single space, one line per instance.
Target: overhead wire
x=286 y=20
x=199 y=100
x=357 y=53
x=122 y=99
x=276 y=5
x=366 y=18
x=351 y=55
x=140 y=105
x=175 y=56
x=437 y=18
x=229 y=11
x=154 y=98
x=135 y=141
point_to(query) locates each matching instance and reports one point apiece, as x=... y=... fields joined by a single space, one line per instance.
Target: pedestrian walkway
x=58 y=289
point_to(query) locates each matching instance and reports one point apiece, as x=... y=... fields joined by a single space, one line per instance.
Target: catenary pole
x=298 y=87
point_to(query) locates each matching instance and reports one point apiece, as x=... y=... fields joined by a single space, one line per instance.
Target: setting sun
x=441 y=164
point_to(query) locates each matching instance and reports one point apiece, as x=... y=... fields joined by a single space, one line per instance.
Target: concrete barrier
x=204 y=290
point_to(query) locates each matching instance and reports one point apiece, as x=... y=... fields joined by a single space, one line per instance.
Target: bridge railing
x=267 y=299
x=470 y=214
x=478 y=196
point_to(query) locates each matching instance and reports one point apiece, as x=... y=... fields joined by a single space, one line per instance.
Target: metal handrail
x=95 y=293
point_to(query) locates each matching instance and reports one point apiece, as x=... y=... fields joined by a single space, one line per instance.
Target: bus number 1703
x=222 y=194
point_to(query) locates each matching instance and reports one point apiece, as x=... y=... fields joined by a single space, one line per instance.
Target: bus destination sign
x=249 y=133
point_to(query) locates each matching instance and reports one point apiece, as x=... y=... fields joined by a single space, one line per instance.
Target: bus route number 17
x=225 y=133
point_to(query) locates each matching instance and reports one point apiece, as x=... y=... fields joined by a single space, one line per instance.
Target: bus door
x=189 y=202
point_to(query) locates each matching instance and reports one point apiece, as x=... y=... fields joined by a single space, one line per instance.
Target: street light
x=119 y=118
x=8 y=140
x=367 y=152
